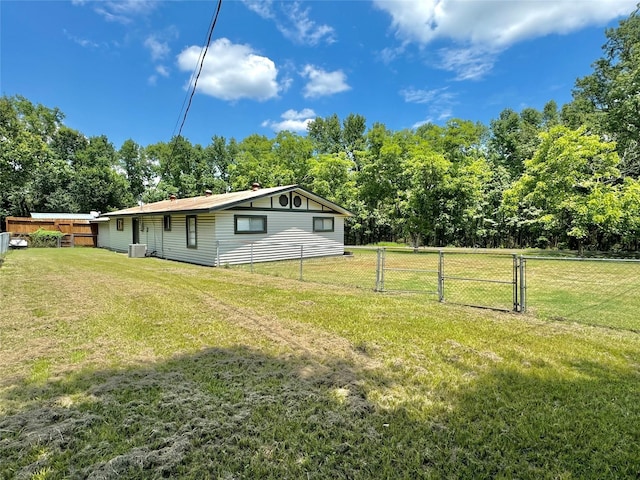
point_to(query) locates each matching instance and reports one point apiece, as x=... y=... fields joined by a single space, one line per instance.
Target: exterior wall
x=152 y=234
x=120 y=239
x=175 y=241
x=286 y=232
x=171 y=244
x=104 y=235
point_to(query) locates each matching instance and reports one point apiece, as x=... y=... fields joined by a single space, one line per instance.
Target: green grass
x=587 y=291
x=144 y=368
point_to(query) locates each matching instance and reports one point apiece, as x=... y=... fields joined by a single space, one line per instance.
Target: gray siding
x=175 y=241
x=104 y=235
x=286 y=233
x=151 y=234
x=120 y=240
x=289 y=234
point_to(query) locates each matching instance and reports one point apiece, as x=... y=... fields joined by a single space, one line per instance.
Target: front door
x=135 y=225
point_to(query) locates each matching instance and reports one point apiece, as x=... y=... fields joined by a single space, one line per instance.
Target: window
x=192 y=231
x=323 y=224
x=283 y=200
x=250 y=223
x=120 y=224
x=167 y=223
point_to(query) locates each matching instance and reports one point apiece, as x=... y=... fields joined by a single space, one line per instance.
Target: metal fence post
x=378 y=263
x=523 y=284
x=251 y=257
x=383 y=257
x=301 y=257
x=440 y=276
x=380 y=270
x=516 y=305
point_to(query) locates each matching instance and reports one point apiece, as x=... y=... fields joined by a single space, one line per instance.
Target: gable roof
x=223 y=201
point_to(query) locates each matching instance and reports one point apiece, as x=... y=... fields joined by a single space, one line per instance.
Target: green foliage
x=532 y=178
x=565 y=192
x=610 y=96
x=45 y=238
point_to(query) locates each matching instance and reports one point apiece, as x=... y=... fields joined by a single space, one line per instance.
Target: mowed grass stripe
x=143 y=368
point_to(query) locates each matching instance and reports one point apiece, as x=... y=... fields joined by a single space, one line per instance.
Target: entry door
x=135 y=224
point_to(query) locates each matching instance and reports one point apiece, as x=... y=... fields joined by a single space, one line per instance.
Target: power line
x=203 y=54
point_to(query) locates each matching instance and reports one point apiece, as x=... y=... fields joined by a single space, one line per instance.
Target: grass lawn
x=144 y=368
x=586 y=291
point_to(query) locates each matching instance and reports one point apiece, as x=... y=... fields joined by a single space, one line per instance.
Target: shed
x=231 y=228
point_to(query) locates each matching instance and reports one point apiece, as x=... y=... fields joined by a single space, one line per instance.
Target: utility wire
x=203 y=54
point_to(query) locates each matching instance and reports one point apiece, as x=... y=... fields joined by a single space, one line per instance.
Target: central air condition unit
x=137 y=250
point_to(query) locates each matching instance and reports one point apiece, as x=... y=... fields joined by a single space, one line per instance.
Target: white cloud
x=162 y=70
x=264 y=8
x=323 y=83
x=468 y=63
x=83 y=42
x=123 y=11
x=158 y=49
x=292 y=120
x=293 y=21
x=412 y=95
x=232 y=71
x=483 y=28
x=439 y=100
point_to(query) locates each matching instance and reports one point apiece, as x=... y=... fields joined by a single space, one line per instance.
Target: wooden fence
x=77 y=232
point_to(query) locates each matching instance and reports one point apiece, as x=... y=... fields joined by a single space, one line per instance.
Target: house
x=258 y=225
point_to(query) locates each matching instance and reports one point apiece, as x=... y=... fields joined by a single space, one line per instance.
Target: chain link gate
x=477 y=280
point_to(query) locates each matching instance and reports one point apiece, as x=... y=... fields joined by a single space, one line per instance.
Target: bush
x=45 y=238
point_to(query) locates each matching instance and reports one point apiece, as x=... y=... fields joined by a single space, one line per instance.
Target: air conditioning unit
x=137 y=250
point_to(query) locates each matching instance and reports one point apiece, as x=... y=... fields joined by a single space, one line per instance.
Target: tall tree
x=133 y=161
x=553 y=200
x=612 y=91
x=514 y=137
x=25 y=133
x=326 y=134
x=96 y=185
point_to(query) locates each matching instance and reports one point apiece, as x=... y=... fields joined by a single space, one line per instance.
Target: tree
x=326 y=134
x=218 y=157
x=96 y=185
x=293 y=152
x=25 y=133
x=612 y=92
x=514 y=137
x=554 y=199
x=132 y=160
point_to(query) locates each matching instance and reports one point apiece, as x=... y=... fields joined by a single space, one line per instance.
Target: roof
x=63 y=216
x=223 y=201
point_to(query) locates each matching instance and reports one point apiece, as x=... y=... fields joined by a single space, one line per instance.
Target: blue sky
x=122 y=68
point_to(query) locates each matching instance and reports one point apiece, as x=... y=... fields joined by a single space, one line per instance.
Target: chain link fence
x=595 y=291
x=317 y=263
x=604 y=292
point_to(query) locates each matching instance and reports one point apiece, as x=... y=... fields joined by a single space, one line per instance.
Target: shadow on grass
x=238 y=413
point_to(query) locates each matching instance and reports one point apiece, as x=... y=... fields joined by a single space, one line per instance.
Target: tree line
x=556 y=178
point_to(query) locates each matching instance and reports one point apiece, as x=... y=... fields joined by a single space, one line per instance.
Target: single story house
x=258 y=225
